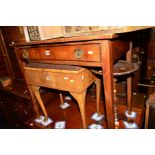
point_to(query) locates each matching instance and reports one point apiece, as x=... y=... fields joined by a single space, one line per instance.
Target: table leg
x=129 y=82
x=98 y=93
x=34 y=101
x=81 y=102
x=36 y=92
x=107 y=69
x=147 y=116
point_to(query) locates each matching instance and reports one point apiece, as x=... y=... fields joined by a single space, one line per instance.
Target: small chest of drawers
x=62 y=77
x=74 y=79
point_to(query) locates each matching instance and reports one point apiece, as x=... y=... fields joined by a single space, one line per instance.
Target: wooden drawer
x=67 y=80
x=89 y=52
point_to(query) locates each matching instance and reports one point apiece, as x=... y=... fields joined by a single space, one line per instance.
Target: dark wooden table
x=93 y=50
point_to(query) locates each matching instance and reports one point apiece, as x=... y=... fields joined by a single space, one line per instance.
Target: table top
x=107 y=34
x=84 y=37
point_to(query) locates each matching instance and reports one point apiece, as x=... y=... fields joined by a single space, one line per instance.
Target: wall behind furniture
x=11 y=35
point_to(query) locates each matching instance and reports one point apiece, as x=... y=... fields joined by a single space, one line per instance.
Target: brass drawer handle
x=78 y=53
x=25 y=54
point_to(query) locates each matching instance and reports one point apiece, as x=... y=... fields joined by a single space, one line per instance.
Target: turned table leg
x=36 y=92
x=81 y=102
x=98 y=92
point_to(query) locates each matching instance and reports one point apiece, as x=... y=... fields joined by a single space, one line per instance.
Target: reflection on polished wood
x=72 y=116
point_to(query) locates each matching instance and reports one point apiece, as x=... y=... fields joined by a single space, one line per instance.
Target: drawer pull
x=48 y=78
x=47 y=53
x=25 y=54
x=82 y=77
x=78 y=53
x=66 y=78
x=90 y=52
x=72 y=81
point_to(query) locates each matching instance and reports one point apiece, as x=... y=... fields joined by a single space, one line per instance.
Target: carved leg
x=61 y=98
x=98 y=92
x=35 y=90
x=81 y=102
